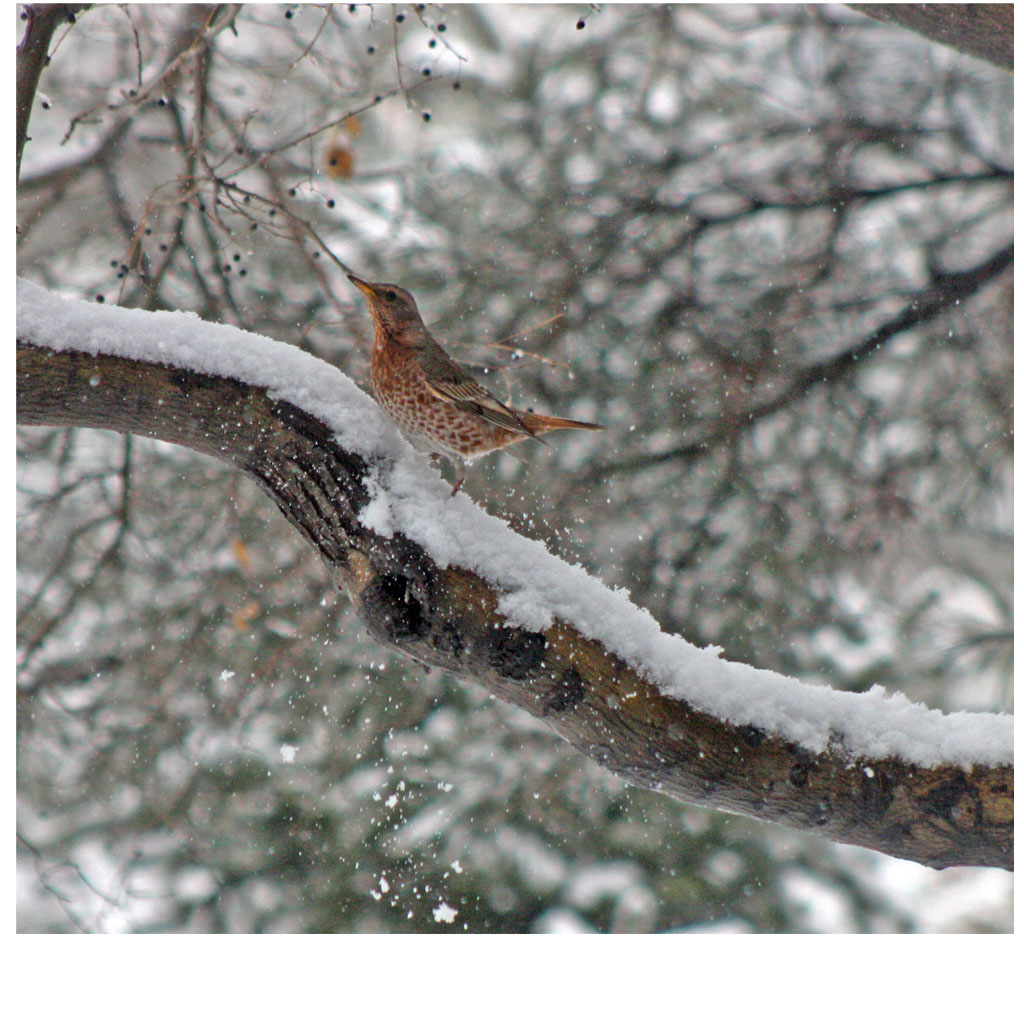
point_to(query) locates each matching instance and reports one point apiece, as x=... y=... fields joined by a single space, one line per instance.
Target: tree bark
x=980 y=30
x=447 y=617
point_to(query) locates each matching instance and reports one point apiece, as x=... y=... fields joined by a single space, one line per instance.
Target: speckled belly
x=429 y=423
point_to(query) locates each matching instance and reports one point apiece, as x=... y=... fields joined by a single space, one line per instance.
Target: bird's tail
x=537 y=424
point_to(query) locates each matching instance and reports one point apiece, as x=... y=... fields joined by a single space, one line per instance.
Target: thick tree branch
x=981 y=30
x=449 y=617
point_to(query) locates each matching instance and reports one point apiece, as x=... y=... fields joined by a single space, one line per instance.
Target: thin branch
x=947 y=291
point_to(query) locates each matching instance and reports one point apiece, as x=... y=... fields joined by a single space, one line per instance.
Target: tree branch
x=41 y=22
x=448 y=616
x=946 y=291
x=981 y=30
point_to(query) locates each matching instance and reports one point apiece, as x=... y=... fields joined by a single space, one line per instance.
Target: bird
x=436 y=403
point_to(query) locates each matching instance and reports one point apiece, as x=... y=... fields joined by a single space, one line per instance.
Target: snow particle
x=445 y=914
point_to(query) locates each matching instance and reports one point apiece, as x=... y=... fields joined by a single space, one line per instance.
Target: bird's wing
x=451 y=383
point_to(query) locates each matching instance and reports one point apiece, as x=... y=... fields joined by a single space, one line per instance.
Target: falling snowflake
x=444 y=913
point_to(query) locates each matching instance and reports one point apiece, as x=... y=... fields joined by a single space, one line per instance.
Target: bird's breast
x=430 y=423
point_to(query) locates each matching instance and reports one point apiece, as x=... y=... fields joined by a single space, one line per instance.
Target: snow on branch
x=443 y=581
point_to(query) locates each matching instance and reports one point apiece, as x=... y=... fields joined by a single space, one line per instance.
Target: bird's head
x=393 y=310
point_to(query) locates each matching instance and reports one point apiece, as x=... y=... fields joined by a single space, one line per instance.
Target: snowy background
x=710 y=203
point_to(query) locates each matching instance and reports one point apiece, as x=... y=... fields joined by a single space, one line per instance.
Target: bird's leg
x=460 y=474
x=457 y=465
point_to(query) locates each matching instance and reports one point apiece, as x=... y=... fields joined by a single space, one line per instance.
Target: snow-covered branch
x=438 y=579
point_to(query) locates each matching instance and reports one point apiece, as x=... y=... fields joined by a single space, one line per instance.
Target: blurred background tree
x=766 y=246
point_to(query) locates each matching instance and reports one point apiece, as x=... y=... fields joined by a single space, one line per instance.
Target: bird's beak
x=364 y=286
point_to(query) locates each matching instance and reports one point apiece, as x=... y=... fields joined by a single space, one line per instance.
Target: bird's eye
x=390 y=295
